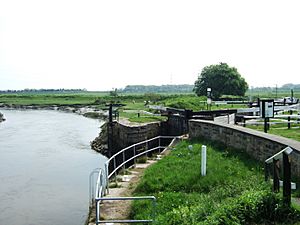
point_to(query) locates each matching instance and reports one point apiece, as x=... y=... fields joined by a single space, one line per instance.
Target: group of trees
x=222 y=79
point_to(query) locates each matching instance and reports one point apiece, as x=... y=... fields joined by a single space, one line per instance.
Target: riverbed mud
x=86 y=110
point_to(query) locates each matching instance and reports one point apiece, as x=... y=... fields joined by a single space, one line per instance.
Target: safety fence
x=120 y=161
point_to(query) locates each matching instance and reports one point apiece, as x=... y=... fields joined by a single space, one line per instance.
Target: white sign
x=267 y=108
x=208 y=101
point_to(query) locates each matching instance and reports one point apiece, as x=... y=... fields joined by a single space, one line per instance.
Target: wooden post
x=276 y=184
x=286 y=179
x=110 y=116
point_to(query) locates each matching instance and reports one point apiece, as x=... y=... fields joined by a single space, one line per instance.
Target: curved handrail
x=102 y=183
x=137 y=144
x=128 y=160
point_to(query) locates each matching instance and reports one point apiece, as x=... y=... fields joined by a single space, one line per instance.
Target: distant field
x=133 y=102
x=48 y=99
x=272 y=94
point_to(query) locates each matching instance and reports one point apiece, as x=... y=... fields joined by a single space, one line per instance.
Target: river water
x=45 y=161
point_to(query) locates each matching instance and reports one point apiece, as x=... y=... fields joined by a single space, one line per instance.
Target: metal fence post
x=106 y=175
x=97 y=212
x=154 y=209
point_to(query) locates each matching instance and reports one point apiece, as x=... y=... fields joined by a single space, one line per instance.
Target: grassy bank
x=233 y=192
x=281 y=130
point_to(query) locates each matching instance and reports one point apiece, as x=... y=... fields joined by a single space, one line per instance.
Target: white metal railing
x=113 y=165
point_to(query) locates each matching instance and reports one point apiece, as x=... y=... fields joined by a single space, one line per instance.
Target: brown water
x=45 y=161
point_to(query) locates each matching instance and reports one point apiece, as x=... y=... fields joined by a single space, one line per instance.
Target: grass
x=47 y=99
x=233 y=192
x=133 y=102
x=280 y=130
x=195 y=103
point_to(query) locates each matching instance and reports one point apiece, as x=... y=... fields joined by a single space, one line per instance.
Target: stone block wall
x=257 y=144
x=126 y=135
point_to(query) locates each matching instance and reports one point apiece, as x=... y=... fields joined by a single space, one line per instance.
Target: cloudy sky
x=100 y=45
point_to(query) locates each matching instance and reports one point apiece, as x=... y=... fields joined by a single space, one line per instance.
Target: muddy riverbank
x=89 y=111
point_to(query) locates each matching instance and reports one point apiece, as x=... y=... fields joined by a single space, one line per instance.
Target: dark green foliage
x=233 y=192
x=222 y=79
x=253 y=207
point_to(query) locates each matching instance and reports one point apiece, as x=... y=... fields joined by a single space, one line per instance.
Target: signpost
x=208 y=98
x=266 y=111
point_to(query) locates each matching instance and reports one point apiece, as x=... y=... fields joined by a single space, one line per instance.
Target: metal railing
x=136 y=150
x=114 y=164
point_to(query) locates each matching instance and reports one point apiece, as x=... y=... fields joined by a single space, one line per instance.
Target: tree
x=222 y=79
x=114 y=93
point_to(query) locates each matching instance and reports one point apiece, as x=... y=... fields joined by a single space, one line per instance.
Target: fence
x=121 y=160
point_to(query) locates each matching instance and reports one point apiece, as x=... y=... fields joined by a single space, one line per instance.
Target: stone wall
x=126 y=135
x=257 y=144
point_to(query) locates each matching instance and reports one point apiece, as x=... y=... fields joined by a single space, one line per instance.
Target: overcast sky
x=100 y=45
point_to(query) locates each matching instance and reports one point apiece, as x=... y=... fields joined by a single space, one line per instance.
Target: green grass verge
x=233 y=192
x=281 y=130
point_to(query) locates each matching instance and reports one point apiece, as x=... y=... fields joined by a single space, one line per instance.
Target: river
x=45 y=161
